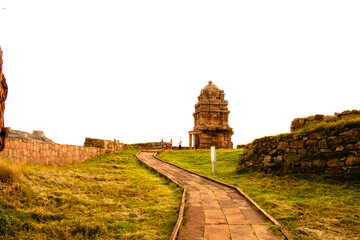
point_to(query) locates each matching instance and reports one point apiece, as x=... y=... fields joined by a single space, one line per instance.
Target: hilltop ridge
x=35 y=136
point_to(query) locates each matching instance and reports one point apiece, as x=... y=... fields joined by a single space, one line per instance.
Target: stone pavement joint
x=213 y=211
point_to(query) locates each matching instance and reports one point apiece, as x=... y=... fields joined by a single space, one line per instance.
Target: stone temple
x=211 y=116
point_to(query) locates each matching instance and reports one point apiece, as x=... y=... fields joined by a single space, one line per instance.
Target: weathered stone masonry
x=334 y=153
x=39 y=153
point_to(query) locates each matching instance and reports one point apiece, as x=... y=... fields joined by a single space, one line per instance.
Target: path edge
x=267 y=215
x=182 y=206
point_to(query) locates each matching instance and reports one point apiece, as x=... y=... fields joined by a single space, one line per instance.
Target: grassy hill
x=107 y=197
x=312 y=208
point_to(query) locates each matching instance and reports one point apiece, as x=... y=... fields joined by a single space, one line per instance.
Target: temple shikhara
x=211 y=116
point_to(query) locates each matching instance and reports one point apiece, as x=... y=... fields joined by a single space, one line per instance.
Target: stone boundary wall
x=154 y=145
x=299 y=123
x=106 y=144
x=334 y=153
x=38 y=153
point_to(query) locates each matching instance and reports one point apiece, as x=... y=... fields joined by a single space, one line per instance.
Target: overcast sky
x=132 y=70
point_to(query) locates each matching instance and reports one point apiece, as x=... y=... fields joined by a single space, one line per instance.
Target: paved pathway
x=213 y=211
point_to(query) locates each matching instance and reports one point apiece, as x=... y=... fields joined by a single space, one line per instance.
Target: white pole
x=213 y=159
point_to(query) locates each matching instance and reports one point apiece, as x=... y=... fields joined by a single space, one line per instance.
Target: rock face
x=35 y=136
x=331 y=152
x=211 y=116
x=3 y=96
x=299 y=123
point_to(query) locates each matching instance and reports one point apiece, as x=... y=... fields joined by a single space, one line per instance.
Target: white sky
x=132 y=70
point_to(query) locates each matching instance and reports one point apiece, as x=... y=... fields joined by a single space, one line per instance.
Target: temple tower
x=211 y=116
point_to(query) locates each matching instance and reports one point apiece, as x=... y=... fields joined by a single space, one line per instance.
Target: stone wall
x=299 y=123
x=154 y=145
x=40 y=153
x=106 y=144
x=331 y=152
x=3 y=96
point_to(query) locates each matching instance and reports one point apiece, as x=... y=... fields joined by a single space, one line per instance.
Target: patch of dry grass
x=107 y=197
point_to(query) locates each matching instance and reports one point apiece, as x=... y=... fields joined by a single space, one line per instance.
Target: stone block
x=297 y=144
x=352 y=160
x=319 y=163
x=283 y=145
x=310 y=118
x=267 y=159
x=350 y=146
x=323 y=144
x=335 y=163
x=316 y=135
x=279 y=159
x=305 y=164
x=310 y=143
x=350 y=139
x=330 y=118
x=346 y=112
x=339 y=149
x=357 y=145
x=318 y=117
x=295 y=137
x=325 y=150
x=349 y=116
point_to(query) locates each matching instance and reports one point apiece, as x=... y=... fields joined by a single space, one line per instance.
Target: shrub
x=10 y=172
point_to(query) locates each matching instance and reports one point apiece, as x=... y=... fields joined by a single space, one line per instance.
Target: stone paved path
x=212 y=211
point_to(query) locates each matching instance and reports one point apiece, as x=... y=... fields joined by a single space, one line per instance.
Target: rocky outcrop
x=3 y=96
x=35 y=136
x=299 y=123
x=333 y=152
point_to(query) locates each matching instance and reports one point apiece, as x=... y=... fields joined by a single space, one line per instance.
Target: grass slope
x=307 y=208
x=107 y=197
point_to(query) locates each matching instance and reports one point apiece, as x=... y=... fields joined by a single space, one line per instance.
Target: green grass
x=307 y=208
x=107 y=197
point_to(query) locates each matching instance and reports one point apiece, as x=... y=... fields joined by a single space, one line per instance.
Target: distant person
x=180 y=145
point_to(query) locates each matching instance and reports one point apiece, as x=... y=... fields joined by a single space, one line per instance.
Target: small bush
x=10 y=172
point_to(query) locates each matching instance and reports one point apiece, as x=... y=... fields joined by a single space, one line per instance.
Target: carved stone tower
x=211 y=116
